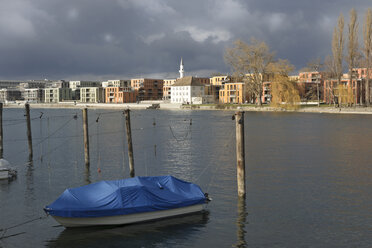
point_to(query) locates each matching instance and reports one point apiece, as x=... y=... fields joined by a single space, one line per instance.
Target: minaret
x=181 y=69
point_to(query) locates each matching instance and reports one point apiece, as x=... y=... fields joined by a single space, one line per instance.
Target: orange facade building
x=120 y=95
x=232 y=93
x=148 y=89
x=308 y=85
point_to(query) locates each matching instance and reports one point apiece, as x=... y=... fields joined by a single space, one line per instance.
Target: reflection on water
x=241 y=221
x=87 y=175
x=165 y=231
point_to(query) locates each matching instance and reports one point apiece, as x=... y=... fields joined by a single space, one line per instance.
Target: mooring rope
x=4 y=230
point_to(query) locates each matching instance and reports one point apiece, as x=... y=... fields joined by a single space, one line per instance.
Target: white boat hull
x=4 y=174
x=126 y=219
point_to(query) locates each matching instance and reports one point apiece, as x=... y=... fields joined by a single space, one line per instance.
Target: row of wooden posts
x=240 y=148
x=129 y=138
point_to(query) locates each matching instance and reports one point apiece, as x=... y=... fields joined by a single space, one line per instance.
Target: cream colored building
x=55 y=95
x=167 y=88
x=92 y=94
x=76 y=85
x=218 y=80
x=118 y=83
x=32 y=95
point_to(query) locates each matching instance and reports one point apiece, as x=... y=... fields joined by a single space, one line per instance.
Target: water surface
x=308 y=177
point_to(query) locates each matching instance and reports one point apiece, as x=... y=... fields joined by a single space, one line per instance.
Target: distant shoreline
x=167 y=106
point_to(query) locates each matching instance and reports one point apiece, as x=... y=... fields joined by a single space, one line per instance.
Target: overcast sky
x=108 y=39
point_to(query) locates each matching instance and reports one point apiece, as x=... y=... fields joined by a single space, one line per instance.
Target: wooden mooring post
x=1 y=131
x=240 y=153
x=86 y=137
x=29 y=134
x=129 y=138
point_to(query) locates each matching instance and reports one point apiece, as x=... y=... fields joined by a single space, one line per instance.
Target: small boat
x=6 y=172
x=127 y=201
x=154 y=106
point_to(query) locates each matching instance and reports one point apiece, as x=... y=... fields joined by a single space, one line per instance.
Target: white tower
x=181 y=69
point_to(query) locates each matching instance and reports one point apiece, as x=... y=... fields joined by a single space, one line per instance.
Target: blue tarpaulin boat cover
x=127 y=196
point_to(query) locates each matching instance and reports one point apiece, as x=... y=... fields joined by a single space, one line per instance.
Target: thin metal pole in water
x=1 y=131
x=86 y=137
x=240 y=152
x=129 y=138
x=29 y=135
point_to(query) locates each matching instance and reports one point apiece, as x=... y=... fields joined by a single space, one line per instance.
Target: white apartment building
x=186 y=90
x=32 y=95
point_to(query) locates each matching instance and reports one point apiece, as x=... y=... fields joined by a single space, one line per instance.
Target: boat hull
x=4 y=174
x=128 y=218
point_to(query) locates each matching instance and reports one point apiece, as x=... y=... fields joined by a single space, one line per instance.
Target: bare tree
x=367 y=50
x=338 y=48
x=250 y=63
x=329 y=75
x=352 y=49
x=315 y=65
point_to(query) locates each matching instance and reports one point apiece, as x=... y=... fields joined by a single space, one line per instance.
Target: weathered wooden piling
x=129 y=139
x=86 y=137
x=1 y=131
x=240 y=152
x=29 y=134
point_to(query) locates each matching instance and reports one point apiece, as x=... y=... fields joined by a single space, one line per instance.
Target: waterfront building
x=354 y=90
x=356 y=87
x=10 y=94
x=187 y=90
x=266 y=92
x=213 y=91
x=120 y=95
x=118 y=83
x=203 y=81
x=57 y=84
x=33 y=84
x=56 y=95
x=4 y=84
x=167 y=88
x=218 y=80
x=34 y=95
x=308 y=84
x=76 y=85
x=148 y=89
x=92 y=94
x=232 y=93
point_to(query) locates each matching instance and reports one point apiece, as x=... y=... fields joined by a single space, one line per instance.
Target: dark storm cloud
x=84 y=39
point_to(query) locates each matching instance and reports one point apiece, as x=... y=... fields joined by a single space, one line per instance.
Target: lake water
x=309 y=177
